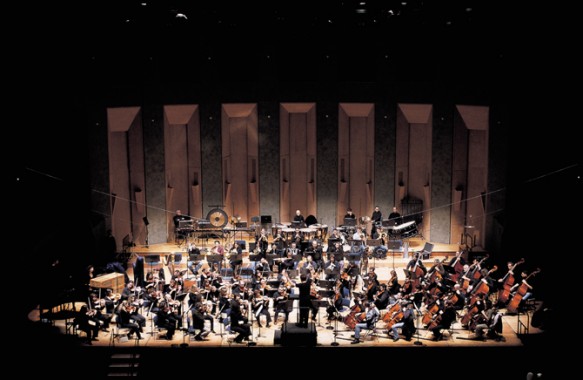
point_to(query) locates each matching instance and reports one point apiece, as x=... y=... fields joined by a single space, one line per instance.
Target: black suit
x=305 y=301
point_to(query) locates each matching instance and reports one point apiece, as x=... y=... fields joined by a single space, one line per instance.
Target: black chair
x=425 y=253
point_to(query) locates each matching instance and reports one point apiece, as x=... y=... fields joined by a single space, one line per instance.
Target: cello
x=457 y=267
x=522 y=290
x=482 y=287
x=508 y=281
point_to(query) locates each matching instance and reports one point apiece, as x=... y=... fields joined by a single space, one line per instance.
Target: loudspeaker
x=292 y=335
x=265 y=219
x=146 y=222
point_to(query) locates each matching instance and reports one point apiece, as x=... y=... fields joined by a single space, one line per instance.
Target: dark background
x=74 y=58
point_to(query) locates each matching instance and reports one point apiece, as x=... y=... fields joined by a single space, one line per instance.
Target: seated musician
x=349 y=214
x=332 y=268
x=85 y=322
x=126 y=313
x=381 y=298
x=178 y=217
x=280 y=303
x=393 y=286
x=371 y=315
x=217 y=249
x=414 y=263
x=336 y=250
x=445 y=318
x=197 y=322
x=406 y=324
x=298 y=220
x=491 y=325
x=460 y=297
x=261 y=242
x=336 y=303
x=167 y=318
x=99 y=313
x=239 y=323
x=259 y=305
x=395 y=218
x=315 y=251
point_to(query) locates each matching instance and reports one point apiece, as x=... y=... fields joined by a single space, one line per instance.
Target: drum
x=407 y=229
x=276 y=229
x=287 y=233
x=307 y=233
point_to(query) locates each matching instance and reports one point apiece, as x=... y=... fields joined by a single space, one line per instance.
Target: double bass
x=350 y=319
x=507 y=282
x=522 y=290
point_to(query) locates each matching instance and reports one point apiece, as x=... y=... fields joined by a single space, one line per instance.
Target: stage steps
x=126 y=364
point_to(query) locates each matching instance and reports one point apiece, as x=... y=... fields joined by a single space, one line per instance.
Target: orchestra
x=448 y=292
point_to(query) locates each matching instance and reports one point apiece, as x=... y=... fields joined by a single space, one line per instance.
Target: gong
x=217 y=217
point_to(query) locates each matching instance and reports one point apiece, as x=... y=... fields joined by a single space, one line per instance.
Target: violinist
x=126 y=320
x=167 y=319
x=381 y=298
x=197 y=323
x=259 y=305
x=280 y=303
x=239 y=323
x=393 y=285
x=371 y=315
x=134 y=305
x=336 y=304
x=102 y=318
x=86 y=323
x=285 y=280
x=331 y=268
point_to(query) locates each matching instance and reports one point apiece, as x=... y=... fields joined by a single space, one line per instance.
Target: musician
x=372 y=285
x=85 y=322
x=349 y=214
x=280 y=303
x=288 y=263
x=447 y=317
x=299 y=220
x=218 y=249
x=197 y=321
x=259 y=305
x=261 y=242
x=395 y=218
x=126 y=313
x=178 y=217
x=416 y=260
x=406 y=324
x=381 y=298
x=371 y=316
x=297 y=238
x=166 y=318
x=278 y=244
x=305 y=300
x=192 y=249
x=376 y=217
x=461 y=297
x=315 y=251
x=102 y=318
x=239 y=323
x=336 y=250
x=332 y=268
x=492 y=325
x=393 y=286
x=336 y=304
x=515 y=287
x=128 y=290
